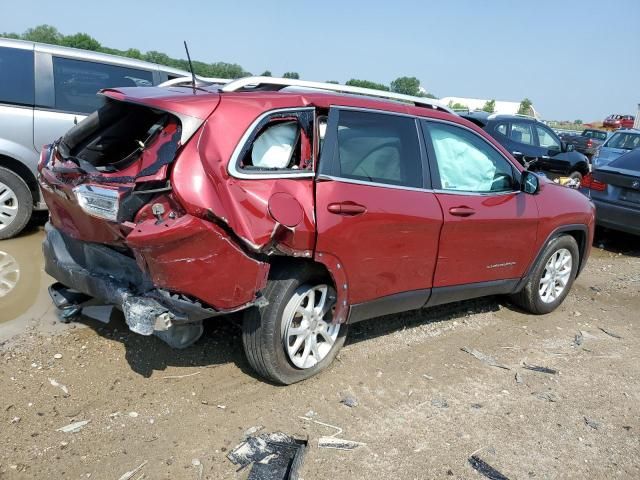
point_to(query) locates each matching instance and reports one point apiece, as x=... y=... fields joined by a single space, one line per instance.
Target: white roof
x=502 y=106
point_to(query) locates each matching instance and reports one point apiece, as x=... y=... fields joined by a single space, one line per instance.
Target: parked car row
x=533 y=144
x=44 y=91
x=587 y=142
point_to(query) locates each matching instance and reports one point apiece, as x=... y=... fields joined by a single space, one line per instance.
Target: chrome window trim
x=372 y=184
x=465 y=192
x=232 y=166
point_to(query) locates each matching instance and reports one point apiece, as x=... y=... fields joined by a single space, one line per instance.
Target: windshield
x=594 y=134
x=627 y=141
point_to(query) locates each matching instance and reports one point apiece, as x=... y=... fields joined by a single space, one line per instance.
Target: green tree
x=457 y=106
x=406 y=86
x=266 y=73
x=354 y=82
x=578 y=122
x=81 y=40
x=293 y=75
x=525 y=107
x=43 y=34
x=10 y=35
x=333 y=81
x=489 y=106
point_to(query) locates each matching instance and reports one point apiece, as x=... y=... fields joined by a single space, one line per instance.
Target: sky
x=573 y=59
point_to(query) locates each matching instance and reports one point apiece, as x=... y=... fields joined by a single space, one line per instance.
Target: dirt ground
x=424 y=406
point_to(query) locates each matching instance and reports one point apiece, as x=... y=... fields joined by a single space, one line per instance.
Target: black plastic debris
x=578 y=339
x=610 y=333
x=272 y=456
x=484 y=358
x=485 y=469
x=537 y=368
x=591 y=423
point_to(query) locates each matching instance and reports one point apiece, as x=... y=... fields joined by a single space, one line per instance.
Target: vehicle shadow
x=220 y=344
x=617 y=242
x=377 y=327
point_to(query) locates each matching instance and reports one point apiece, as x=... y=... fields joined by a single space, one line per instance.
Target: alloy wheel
x=8 y=206
x=9 y=273
x=308 y=334
x=555 y=276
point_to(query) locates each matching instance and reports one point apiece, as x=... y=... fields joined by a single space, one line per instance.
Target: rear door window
x=522 y=132
x=378 y=148
x=16 y=76
x=77 y=82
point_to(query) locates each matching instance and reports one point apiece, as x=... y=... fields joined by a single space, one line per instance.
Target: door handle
x=517 y=154
x=346 y=208
x=461 y=211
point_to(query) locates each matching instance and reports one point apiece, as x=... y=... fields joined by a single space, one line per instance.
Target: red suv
x=307 y=209
x=618 y=121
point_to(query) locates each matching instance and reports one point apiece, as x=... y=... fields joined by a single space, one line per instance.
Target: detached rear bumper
x=115 y=279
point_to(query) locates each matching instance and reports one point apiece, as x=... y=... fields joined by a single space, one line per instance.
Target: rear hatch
x=98 y=176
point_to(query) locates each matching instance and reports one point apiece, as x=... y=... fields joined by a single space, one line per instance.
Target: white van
x=44 y=91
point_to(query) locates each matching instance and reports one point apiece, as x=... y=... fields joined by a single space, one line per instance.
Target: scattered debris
x=578 y=339
x=130 y=474
x=15 y=420
x=181 y=376
x=537 y=368
x=627 y=427
x=548 y=396
x=484 y=358
x=311 y=414
x=57 y=356
x=273 y=456
x=349 y=400
x=338 y=443
x=483 y=468
x=252 y=430
x=73 y=427
x=197 y=464
x=595 y=289
x=221 y=407
x=577 y=314
x=134 y=414
x=519 y=379
x=428 y=377
x=591 y=423
x=338 y=429
x=54 y=383
x=476 y=405
x=610 y=333
x=439 y=403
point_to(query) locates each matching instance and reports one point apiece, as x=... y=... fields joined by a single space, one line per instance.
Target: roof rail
x=280 y=83
x=494 y=115
x=200 y=81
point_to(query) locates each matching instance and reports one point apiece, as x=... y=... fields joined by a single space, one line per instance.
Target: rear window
x=76 y=82
x=627 y=141
x=628 y=161
x=16 y=76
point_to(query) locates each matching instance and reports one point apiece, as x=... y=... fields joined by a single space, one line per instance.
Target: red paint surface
x=384 y=241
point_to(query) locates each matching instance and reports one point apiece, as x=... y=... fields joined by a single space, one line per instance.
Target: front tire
x=551 y=278
x=292 y=338
x=16 y=204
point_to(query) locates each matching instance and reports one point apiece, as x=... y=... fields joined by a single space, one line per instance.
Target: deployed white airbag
x=461 y=165
x=274 y=146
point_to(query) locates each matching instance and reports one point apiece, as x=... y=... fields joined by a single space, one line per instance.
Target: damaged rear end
x=119 y=233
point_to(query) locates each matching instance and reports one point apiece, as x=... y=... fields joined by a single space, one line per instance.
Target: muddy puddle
x=23 y=282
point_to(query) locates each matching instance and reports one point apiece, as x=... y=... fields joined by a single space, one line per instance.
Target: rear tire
x=537 y=299
x=268 y=333
x=16 y=204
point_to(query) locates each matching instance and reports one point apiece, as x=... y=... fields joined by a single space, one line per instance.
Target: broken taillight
x=97 y=201
x=591 y=183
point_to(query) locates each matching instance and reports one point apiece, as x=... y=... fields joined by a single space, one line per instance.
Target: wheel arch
x=579 y=231
x=24 y=172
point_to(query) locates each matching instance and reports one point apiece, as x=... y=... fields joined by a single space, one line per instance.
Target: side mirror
x=529 y=182
x=566 y=147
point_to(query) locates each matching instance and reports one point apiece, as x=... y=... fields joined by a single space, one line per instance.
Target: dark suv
x=307 y=210
x=533 y=144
